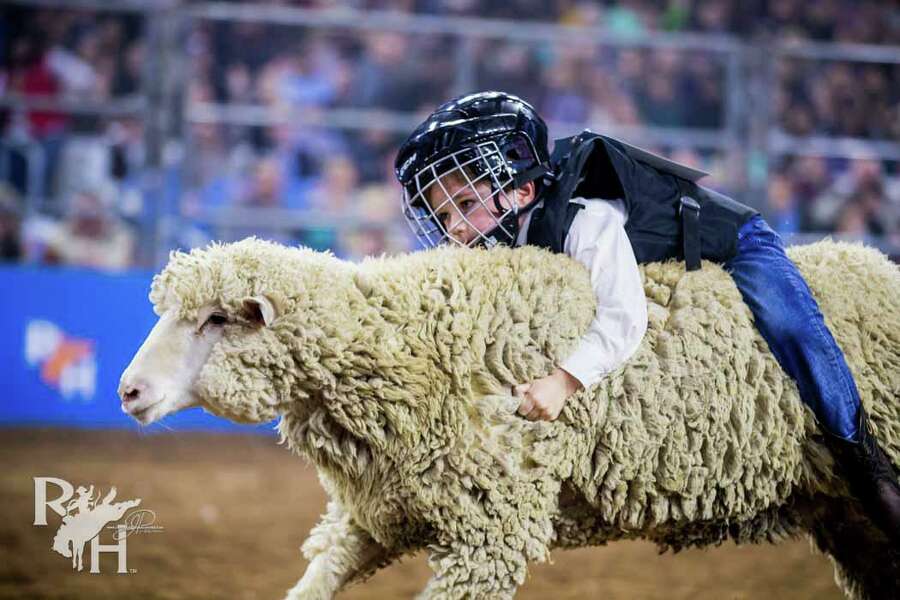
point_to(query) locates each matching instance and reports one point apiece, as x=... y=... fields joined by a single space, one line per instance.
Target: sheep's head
x=219 y=339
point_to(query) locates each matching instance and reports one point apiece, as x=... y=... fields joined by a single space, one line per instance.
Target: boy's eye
x=463 y=206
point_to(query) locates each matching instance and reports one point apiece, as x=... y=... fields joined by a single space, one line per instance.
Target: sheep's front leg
x=475 y=571
x=484 y=553
x=338 y=551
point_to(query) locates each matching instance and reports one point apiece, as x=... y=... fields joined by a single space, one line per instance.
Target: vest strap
x=689 y=211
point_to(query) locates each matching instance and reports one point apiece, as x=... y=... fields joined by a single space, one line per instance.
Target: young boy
x=597 y=239
x=477 y=172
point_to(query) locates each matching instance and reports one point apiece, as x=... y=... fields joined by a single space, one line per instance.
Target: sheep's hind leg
x=339 y=551
x=866 y=563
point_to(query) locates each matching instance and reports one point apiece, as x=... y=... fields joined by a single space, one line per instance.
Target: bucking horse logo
x=84 y=516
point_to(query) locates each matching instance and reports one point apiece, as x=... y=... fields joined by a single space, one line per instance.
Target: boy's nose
x=458 y=228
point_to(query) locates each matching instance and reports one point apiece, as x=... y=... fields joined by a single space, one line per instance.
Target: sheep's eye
x=216 y=319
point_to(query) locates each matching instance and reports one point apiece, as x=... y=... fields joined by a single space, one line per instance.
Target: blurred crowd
x=859 y=198
x=299 y=181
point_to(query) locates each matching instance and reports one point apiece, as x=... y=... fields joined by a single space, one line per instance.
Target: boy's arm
x=597 y=239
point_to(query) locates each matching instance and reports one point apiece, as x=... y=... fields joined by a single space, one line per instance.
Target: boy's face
x=466 y=210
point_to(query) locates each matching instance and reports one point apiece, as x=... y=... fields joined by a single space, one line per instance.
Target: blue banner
x=66 y=335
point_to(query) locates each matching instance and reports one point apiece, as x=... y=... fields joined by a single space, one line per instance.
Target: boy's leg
x=789 y=319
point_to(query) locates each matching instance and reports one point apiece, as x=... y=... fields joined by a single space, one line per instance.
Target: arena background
x=133 y=128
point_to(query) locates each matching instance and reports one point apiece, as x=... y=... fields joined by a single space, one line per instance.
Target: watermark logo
x=85 y=516
x=67 y=363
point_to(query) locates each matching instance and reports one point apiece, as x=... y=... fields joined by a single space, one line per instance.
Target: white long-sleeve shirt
x=597 y=239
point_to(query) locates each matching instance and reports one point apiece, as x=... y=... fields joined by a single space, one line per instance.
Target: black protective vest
x=669 y=215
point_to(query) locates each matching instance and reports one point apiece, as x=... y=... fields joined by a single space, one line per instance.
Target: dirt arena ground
x=236 y=508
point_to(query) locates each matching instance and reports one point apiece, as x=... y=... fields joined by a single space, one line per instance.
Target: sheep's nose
x=129 y=391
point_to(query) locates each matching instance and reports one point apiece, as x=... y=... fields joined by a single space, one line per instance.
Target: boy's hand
x=544 y=397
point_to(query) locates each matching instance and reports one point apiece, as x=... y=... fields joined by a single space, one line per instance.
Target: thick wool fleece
x=392 y=377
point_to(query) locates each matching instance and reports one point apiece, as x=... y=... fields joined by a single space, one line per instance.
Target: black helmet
x=489 y=138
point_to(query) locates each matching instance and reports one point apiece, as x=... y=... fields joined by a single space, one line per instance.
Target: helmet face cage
x=473 y=165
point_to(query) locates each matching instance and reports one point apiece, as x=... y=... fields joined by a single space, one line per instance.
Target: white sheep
x=392 y=378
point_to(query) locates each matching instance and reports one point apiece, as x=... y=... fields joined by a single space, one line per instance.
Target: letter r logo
x=40 y=498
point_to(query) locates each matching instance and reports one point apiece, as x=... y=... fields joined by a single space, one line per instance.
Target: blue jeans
x=789 y=319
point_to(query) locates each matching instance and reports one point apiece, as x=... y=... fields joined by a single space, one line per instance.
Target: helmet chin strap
x=508 y=229
x=510 y=223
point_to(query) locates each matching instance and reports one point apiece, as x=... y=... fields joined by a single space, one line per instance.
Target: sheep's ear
x=260 y=310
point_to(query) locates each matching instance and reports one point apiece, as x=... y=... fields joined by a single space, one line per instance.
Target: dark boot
x=871 y=476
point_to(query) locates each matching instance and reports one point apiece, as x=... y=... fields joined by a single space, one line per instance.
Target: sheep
x=393 y=378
